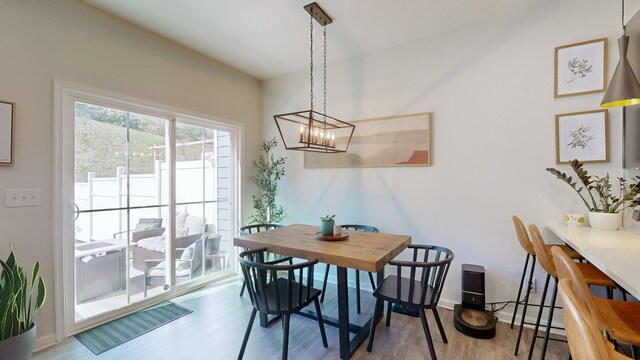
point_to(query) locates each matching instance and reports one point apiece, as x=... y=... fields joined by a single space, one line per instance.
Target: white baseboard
x=44 y=342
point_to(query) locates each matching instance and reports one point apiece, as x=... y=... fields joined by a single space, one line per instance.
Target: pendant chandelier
x=624 y=89
x=309 y=130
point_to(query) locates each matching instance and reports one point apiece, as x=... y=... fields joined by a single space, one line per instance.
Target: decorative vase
x=19 y=347
x=326 y=227
x=605 y=221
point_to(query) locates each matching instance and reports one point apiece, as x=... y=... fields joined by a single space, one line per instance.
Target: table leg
x=343 y=313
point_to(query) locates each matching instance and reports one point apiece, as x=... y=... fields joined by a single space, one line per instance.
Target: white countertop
x=616 y=253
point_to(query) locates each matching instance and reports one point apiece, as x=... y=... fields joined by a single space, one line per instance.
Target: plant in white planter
x=604 y=207
x=18 y=308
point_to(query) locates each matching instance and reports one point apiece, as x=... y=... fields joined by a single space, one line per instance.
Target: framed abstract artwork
x=583 y=136
x=581 y=68
x=403 y=140
x=6 y=132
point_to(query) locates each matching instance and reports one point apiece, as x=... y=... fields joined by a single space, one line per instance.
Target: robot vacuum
x=470 y=317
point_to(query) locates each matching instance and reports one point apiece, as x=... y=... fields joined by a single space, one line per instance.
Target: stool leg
x=524 y=271
x=548 y=332
x=535 y=330
x=324 y=284
x=526 y=304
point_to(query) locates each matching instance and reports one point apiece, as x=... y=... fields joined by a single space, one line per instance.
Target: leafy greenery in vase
x=598 y=195
x=17 y=305
x=270 y=171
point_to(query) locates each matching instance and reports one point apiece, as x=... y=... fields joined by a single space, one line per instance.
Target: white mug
x=337 y=229
x=574 y=220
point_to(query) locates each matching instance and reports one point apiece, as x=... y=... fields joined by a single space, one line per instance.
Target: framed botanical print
x=581 y=68
x=583 y=136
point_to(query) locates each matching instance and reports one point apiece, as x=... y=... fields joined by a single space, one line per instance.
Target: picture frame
x=580 y=68
x=394 y=141
x=582 y=135
x=7 y=110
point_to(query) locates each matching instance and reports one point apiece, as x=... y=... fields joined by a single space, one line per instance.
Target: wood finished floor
x=215 y=328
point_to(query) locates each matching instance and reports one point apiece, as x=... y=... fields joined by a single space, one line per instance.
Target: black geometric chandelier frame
x=309 y=130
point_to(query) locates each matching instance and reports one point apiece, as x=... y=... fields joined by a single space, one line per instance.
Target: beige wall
x=489 y=87
x=66 y=40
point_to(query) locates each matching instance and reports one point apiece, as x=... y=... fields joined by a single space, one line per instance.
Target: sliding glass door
x=152 y=205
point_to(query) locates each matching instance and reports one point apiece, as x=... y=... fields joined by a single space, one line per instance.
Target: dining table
x=615 y=253
x=359 y=250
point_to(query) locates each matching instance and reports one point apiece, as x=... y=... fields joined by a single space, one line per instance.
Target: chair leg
x=324 y=284
x=535 y=330
x=524 y=308
x=372 y=329
x=389 y=305
x=427 y=333
x=285 y=337
x=439 y=323
x=543 y=354
x=373 y=283
x=524 y=271
x=321 y=323
x=246 y=334
x=358 y=291
x=244 y=284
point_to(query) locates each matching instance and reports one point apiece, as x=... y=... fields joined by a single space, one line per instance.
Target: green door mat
x=117 y=332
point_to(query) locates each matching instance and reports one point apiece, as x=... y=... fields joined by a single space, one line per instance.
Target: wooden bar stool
x=619 y=319
x=525 y=242
x=586 y=341
x=592 y=275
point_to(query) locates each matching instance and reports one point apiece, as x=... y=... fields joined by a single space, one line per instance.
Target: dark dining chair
x=427 y=270
x=365 y=228
x=269 y=258
x=279 y=296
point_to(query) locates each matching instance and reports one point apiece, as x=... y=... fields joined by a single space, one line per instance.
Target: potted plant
x=18 y=308
x=605 y=208
x=326 y=225
x=270 y=171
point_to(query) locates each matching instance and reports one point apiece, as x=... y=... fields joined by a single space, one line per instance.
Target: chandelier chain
x=325 y=77
x=311 y=66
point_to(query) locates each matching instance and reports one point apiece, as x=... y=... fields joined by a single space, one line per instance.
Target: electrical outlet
x=22 y=197
x=534 y=284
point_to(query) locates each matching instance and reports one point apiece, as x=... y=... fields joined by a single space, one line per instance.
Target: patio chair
x=187 y=266
x=146 y=227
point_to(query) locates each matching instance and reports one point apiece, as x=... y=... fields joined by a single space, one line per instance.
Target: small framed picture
x=583 y=136
x=6 y=132
x=581 y=68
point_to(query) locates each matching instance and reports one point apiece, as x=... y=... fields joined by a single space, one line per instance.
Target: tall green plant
x=270 y=171
x=17 y=305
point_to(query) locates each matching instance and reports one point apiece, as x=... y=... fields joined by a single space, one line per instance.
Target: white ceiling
x=267 y=38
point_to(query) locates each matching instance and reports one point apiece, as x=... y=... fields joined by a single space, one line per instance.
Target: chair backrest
x=429 y=265
x=250 y=229
x=365 y=228
x=586 y=341
x=543 y=255
x=567 y=269
x=198 y=254
x=272 y=294
x=523 y=237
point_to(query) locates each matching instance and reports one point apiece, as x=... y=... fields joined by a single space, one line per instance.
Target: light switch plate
x=23 y=197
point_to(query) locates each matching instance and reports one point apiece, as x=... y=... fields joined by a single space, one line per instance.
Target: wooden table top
x=366 y=251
